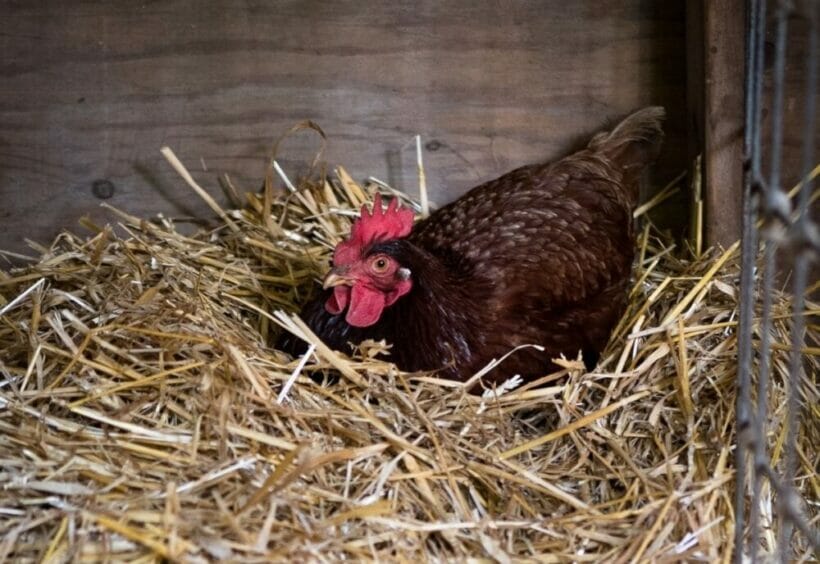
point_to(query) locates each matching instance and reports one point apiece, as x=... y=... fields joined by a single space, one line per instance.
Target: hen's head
x=366 y=279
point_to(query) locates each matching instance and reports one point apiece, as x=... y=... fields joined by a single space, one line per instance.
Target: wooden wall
x=719 y=67
x=794 y=99
x=89 y=92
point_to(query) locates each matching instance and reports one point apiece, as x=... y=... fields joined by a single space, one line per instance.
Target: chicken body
x=539 y=256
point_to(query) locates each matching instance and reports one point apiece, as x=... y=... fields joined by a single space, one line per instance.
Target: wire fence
x=782 y=228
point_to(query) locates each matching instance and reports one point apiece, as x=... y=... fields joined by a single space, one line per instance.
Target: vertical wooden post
x=723 y=105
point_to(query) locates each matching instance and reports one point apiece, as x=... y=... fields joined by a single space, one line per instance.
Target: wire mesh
x=773 y=224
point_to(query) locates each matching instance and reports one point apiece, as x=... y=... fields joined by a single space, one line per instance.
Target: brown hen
x=539 y=256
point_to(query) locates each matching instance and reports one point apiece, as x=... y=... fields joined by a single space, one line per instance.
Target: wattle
x=366 y=306
x=338 y=300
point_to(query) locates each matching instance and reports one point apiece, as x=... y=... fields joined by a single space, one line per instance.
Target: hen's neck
x=433 y=320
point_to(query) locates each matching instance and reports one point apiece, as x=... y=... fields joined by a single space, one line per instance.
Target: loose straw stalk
x=144 y=413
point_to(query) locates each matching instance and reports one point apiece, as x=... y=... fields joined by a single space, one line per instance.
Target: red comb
x=378 y=225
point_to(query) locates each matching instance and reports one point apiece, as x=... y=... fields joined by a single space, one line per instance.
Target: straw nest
x=144 y=414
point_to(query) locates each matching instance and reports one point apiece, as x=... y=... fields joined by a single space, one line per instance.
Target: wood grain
x=723 y=116
x=715 y=81
x=795 y=93
x=91 y=90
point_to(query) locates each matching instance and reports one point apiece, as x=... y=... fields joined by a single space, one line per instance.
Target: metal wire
x=772 y=202
x=801 y=237
x=774 y=214
x=755 y=13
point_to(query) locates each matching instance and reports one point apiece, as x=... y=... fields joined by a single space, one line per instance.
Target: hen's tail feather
x=633 y=144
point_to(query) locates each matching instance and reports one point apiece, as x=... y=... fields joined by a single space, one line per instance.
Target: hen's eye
x=380 y=265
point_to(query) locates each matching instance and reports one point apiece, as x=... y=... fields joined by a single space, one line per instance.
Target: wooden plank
x=724 y=40
x=724 y=36
x=91 y=91
x=794 y=107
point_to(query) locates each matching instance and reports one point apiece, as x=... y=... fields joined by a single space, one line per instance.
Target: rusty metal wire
x=767 y=204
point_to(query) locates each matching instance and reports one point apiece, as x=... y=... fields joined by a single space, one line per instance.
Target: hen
x=541 y=255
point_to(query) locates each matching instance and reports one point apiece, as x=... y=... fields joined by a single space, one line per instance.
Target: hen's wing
x=556 y=234
x=551 y=235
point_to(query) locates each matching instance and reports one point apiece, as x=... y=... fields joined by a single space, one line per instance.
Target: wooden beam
x=723 y=53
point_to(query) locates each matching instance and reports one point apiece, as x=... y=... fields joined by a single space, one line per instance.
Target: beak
x=335 y=279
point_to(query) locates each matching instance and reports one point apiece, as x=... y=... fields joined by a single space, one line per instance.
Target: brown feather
x=541 y=255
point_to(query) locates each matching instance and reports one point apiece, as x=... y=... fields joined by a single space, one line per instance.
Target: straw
x=145 y=414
